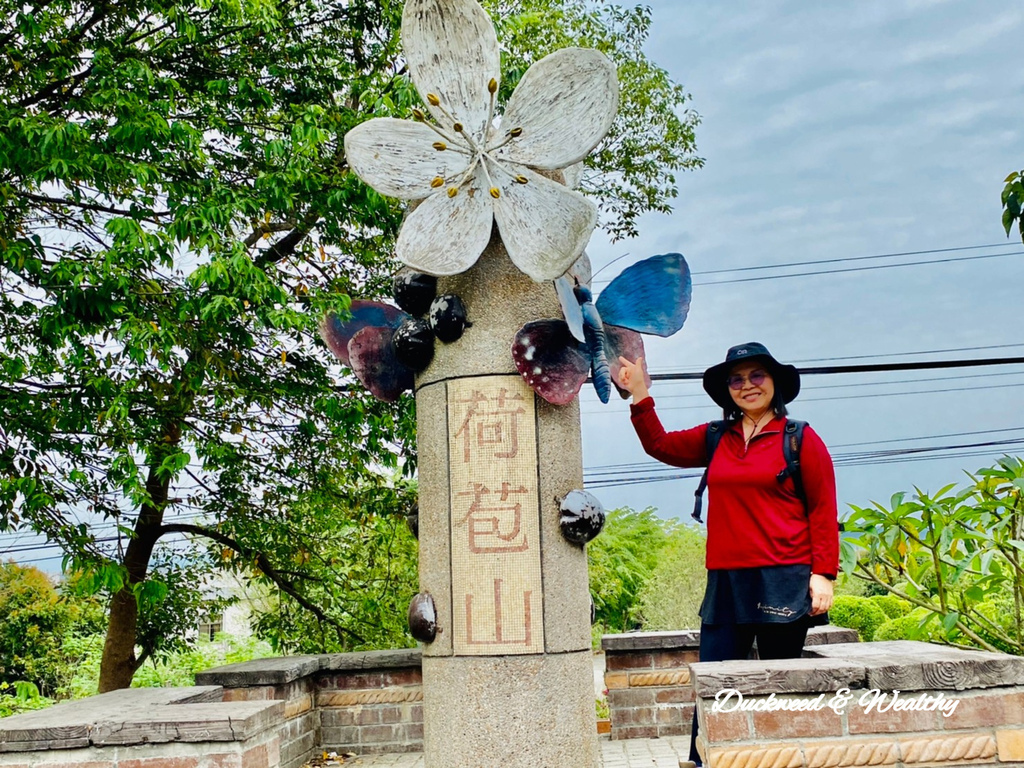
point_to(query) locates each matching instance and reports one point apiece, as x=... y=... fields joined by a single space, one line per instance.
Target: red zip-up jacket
x=753 y=519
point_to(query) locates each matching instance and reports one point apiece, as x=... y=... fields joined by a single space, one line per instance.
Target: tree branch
x=286 y=246
x=89 y=206
x=265 y=566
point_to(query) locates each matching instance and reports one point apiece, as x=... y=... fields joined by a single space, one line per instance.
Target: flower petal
x=397 y=157
x=452 y=52
x=446 y=235
x=544 y=226
x=565 y=104
x=573 y=175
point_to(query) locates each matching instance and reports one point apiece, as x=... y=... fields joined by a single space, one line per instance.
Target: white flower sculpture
x=466 y=169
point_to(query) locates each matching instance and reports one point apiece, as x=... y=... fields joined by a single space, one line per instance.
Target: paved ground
x=630 y=753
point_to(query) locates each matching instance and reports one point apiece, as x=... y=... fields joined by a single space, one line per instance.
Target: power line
x=898 y=456
x=874 y=395
x=831 y=387
x=857 y=258
x=848 y=259
x=920 y=365
x=652 y=464
x=860 y=269
x=909 y=354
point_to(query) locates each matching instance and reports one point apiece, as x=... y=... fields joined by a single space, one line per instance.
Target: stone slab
x=830 y=635
x=910 y=665
x=273 y=671
x=688 y=639
x=140 y=716
x=776 y=676
x=367 y=660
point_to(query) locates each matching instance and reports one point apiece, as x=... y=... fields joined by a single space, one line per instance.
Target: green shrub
x=621 y=561
x=19 y=697
x=37 y=619
x=851 y=585
x=893 y=606
x=672 y=596
x=1000 y=611
x=906 y=627
x=178 y=669
x=858 y=613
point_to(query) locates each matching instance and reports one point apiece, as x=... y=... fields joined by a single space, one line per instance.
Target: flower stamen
x=455 y=144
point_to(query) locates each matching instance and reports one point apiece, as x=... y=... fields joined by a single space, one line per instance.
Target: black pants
x=729 y=642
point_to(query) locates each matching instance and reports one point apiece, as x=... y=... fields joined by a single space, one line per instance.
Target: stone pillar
x=509 y=679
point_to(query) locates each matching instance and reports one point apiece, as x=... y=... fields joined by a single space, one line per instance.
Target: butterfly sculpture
x=363 y=343
x=556 y=356
x=385 y=346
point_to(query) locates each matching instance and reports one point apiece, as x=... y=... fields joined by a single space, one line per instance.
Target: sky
x=837 y=131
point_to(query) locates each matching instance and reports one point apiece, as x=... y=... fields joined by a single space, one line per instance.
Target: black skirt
x=775 y=594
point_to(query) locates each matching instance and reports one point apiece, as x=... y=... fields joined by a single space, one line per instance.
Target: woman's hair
x=733 y=412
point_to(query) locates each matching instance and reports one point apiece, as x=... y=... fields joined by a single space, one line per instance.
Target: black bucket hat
x=786 y=377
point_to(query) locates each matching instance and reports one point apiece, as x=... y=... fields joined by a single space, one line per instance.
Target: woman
x=772 y=553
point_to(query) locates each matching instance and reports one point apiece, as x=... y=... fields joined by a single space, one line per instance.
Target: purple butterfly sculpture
x=363 y=343
x=556 y=356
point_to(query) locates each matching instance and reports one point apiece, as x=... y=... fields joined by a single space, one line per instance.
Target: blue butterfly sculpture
x=556 y=356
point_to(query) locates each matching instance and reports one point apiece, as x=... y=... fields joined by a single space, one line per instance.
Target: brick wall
x=366 y=703
x=985 y=728
x=647 y=675
x=146 y=728
x=366 y=710
x=267 y=713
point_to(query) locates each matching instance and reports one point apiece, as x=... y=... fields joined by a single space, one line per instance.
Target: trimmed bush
x=907 y=627
x=893 y=606
x=858 y=613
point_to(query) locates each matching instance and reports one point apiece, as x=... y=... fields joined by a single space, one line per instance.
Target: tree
x=176 y=214
x=37 y=620
x=622 y=560
x=1013 y=203
x=957 y=555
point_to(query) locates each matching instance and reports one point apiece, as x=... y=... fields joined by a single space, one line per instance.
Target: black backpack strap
x=792 y=439
x=712 y=437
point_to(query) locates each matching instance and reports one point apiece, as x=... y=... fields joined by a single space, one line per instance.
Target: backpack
x=792 y=439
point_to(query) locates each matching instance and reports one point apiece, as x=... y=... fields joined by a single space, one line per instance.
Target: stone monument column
x=508 y=681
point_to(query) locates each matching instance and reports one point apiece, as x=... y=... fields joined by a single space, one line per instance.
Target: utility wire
x=652 y=464
x=873 y=395
x=848 y=259
x=832 y=387
x=840 y=460
x=859 y=269
x=920 y=365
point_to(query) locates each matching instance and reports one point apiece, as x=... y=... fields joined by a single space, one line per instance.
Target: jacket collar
x=777 y=424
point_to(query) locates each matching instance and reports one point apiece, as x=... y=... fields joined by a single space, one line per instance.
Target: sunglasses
x=756 y=379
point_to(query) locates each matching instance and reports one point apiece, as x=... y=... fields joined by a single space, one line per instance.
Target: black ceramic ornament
x=413 y=292
x=413 y=343
x=448 y=317
x=423 y=618
x=582 y=516
x=593 y=611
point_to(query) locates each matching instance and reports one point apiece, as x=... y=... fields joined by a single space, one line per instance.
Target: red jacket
x=753 y=519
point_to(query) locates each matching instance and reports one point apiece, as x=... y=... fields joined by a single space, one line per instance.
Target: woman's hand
x=821 y=594
x=631 y=378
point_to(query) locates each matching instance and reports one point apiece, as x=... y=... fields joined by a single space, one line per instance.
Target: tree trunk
x=119 y=663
